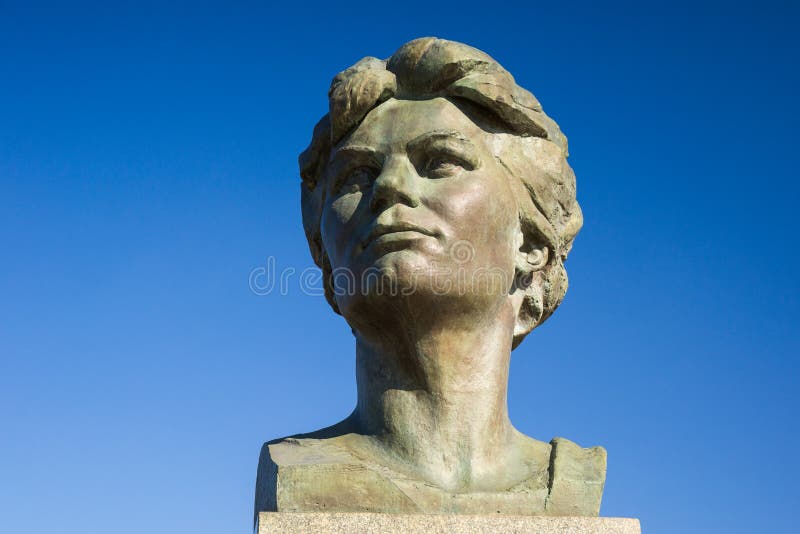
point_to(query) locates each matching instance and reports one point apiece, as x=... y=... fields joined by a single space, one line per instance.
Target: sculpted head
x=433 y=168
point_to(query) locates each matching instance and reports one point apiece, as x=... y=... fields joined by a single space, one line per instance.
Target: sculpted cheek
x=471 y=202
x=343 y=208
x=336 y=219
x=479 y=208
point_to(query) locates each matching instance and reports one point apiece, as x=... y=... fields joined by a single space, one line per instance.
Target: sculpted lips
x=397 y=231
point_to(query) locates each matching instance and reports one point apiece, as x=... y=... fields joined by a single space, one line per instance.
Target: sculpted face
x=415 y=195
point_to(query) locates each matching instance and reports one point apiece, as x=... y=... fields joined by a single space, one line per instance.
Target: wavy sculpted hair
x=532 y=150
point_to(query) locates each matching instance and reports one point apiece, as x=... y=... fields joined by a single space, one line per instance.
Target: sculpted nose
x=396 y=184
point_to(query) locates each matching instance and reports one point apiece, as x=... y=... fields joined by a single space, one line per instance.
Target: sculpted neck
x=436 y=395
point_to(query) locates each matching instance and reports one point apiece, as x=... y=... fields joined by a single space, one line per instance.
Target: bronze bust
x=439 y=204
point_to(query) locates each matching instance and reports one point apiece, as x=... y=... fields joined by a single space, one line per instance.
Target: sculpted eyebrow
x=464 y=146
x=437 y=135
x=356 y=151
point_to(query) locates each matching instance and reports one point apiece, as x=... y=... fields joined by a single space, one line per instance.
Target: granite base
x=320 y=522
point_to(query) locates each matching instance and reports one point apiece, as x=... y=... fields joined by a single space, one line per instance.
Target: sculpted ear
x=537 y=258
x=528 y=288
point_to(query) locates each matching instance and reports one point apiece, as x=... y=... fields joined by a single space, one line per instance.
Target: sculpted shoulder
x=348 y=472
x=298 y=474
x=577 y=477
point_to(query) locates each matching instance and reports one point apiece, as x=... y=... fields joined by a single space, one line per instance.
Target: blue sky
x=148 y=165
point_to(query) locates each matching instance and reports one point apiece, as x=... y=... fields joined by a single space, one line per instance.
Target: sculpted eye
x=356 y=178
x=360 y=175
x=443 y=166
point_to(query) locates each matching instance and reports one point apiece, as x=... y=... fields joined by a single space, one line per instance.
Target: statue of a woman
x=438 y=202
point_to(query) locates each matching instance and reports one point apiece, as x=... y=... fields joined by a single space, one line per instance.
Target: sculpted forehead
x=395 y=122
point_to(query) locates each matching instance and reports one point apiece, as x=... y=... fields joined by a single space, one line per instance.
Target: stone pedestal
x=320 y=522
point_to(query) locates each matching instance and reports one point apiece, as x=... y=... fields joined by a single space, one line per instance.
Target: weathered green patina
x=438 y=201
